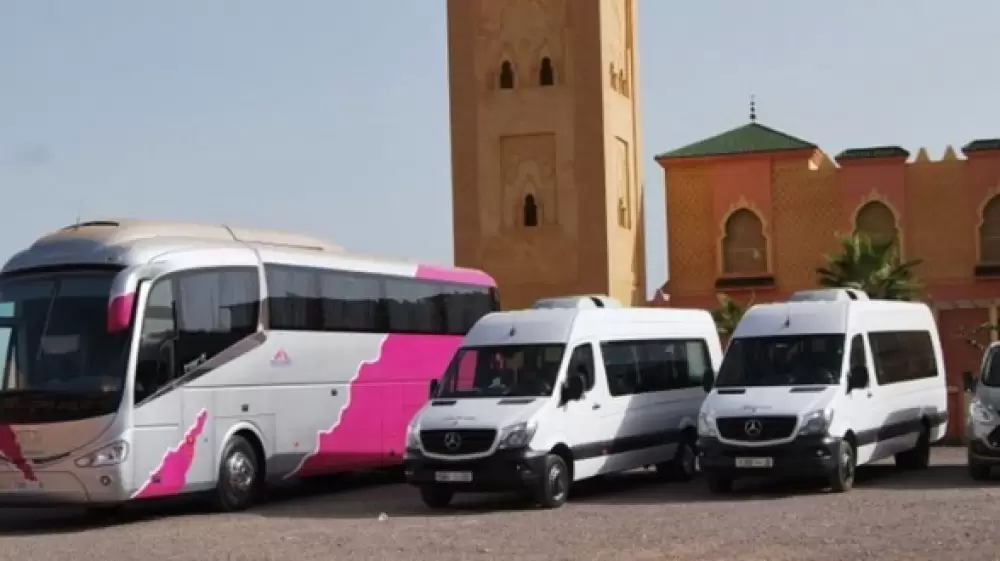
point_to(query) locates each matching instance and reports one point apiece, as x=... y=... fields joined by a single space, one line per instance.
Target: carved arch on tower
x=744 y=247
x=877 y=217
x=988 y=229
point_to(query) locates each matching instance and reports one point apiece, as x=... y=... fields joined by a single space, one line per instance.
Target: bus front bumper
x=61 y=488
x=505 y=470
x=811 y=456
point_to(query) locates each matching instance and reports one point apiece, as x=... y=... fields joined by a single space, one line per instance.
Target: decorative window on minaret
x=506 y=75
x=530 y=212
x=546 y=74
x=623 y=182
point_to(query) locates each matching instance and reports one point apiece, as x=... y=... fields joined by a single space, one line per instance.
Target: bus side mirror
x=969 y=381
x=435 y=386
x=708 y=381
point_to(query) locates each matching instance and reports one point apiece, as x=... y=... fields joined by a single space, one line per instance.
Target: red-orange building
x=754 y=210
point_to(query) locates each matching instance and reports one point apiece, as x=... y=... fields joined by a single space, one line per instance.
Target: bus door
x=192 y=316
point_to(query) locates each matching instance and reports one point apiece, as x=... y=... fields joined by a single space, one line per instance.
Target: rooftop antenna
x=753 y=109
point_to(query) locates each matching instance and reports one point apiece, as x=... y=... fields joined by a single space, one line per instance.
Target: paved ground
x=937 y=514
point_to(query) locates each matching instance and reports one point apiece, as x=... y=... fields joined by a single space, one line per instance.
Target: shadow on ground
x=369 y=495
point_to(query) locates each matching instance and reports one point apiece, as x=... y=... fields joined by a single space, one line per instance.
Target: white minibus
x=537 y=399
x=821 y=384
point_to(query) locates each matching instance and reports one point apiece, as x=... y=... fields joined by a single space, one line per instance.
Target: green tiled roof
x=982 y=145
x=873 y=152
x=748 y=139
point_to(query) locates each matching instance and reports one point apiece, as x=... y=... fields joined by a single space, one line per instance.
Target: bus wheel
x=237 y=484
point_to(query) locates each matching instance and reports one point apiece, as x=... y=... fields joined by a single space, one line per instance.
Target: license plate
x=754 y=462
x=453 y=476
x=27 y=486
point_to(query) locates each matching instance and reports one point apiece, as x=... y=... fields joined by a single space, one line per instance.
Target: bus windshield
x=55 y=344
x=792 y=360
x=503 y=371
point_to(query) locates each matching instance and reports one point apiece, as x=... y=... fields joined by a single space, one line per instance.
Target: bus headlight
x=981 y=413
x=706 y=425
x=112 y=454
x=817 y=422
x=517 y=436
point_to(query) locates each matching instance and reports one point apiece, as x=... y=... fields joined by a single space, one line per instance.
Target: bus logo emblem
x=280 y=358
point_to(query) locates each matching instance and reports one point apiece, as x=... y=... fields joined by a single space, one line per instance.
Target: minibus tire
x=978 y=471
x=842 y=477
x=229 y=497
x=919 y=457
x=677 y=469
x=553 y=487
x=436 y=496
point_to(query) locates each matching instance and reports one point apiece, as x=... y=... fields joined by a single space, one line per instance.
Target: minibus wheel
x=238 y=473
x=919 y=457
x=683 y=466
x=553 y=488
x=978 y=471
x=842 y=478
x=436 y=496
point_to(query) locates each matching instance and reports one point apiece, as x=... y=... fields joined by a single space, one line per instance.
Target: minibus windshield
x=57 y=352
x=991 y=374
x=788 y=360
x=503 y=371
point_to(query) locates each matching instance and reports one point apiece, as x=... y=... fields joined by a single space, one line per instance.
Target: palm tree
x=870 y=265
x=729 y=313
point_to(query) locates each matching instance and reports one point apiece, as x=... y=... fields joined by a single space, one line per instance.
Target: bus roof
x=135 y=241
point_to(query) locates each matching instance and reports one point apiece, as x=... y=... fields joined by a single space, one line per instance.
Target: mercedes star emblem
x=752 y=428
x=452 y=441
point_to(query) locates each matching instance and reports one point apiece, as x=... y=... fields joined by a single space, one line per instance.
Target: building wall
x=572 y=146
x=804 y=200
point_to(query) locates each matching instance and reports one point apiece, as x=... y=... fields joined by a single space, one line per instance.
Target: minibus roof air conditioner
x=828 y=295
x=581 y=301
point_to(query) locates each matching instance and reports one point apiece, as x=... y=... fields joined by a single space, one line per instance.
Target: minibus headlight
x=706 y=425
x=979 y=412
x=517 y=436
x=413 y=436
x=112 y=454
x=817 y=422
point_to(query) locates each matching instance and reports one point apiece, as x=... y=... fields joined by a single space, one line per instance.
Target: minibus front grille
x=755 y=429
x=457 y=442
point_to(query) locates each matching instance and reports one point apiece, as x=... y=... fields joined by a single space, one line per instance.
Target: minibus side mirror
x=708 y=381
x=969 y=381
x=573 y=389
x=435 y=386
x=857 y=378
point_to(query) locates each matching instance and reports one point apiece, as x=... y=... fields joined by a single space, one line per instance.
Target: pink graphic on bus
x=386 y=392
x=10 y=448
x=170 y=477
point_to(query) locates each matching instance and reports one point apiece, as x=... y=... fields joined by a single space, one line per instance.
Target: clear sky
x=331 y=116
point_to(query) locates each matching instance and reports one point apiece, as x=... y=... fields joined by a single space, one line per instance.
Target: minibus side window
x=859 y=356
x=583 y=356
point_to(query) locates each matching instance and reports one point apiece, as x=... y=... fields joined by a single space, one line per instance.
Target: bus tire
x=239 y=471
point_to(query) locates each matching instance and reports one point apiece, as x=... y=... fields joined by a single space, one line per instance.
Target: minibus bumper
x=803 y=457
x=983 y=453
x=505 y=470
